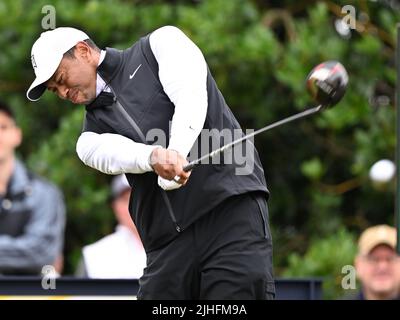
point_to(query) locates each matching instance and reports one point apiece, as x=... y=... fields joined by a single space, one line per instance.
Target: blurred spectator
x=32 y=212
x=121 y=254
x=378 y=265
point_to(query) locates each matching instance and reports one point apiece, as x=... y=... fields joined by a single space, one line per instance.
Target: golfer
x=206 y=233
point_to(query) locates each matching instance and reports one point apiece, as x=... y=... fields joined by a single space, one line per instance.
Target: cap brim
x=36 y=89
x=374 y=244
x=38 y=86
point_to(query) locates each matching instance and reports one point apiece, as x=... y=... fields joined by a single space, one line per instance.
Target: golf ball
x=382 y=171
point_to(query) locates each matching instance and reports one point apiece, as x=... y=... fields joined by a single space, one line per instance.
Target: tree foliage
x=326 y=259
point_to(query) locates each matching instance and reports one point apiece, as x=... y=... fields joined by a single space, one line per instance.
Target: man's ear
x=83 y=51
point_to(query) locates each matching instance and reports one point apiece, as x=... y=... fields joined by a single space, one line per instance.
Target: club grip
x=190 y=166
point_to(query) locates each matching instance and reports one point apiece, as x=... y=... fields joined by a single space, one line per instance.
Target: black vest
x=139 y=105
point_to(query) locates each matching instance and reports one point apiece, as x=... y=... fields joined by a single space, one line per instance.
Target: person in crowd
x=32 y=210
x=378 y=264
x=120 y=254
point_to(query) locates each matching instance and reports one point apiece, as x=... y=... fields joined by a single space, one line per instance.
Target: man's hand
x=169 y=164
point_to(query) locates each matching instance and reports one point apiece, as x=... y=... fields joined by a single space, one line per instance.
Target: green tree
x=326 y=259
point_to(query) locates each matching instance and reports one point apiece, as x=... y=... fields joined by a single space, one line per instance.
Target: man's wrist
x=152 y=160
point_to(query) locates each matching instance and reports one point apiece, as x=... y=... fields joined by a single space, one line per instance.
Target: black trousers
x=226 y=254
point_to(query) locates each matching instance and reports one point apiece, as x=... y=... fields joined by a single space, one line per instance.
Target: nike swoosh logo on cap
x=134 y=72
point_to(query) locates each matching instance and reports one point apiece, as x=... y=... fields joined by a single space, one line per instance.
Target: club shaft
x=212 y=154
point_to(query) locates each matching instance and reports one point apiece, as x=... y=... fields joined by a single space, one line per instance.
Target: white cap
x=47 y=53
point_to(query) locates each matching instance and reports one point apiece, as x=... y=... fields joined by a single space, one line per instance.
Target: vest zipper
x=143 y=138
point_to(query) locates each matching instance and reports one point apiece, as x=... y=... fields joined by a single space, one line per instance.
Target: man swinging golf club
x=205 y=232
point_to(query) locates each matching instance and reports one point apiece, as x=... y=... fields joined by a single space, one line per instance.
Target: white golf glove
x=168 y=184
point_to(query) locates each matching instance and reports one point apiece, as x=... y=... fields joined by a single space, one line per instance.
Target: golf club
x=326 y=83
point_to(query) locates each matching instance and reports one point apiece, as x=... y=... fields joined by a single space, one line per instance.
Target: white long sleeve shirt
x=183 y=75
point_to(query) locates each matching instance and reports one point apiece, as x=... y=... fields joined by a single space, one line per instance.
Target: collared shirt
x=100 y=83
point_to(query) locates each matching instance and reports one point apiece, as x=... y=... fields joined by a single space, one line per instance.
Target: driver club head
x=327 y=83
